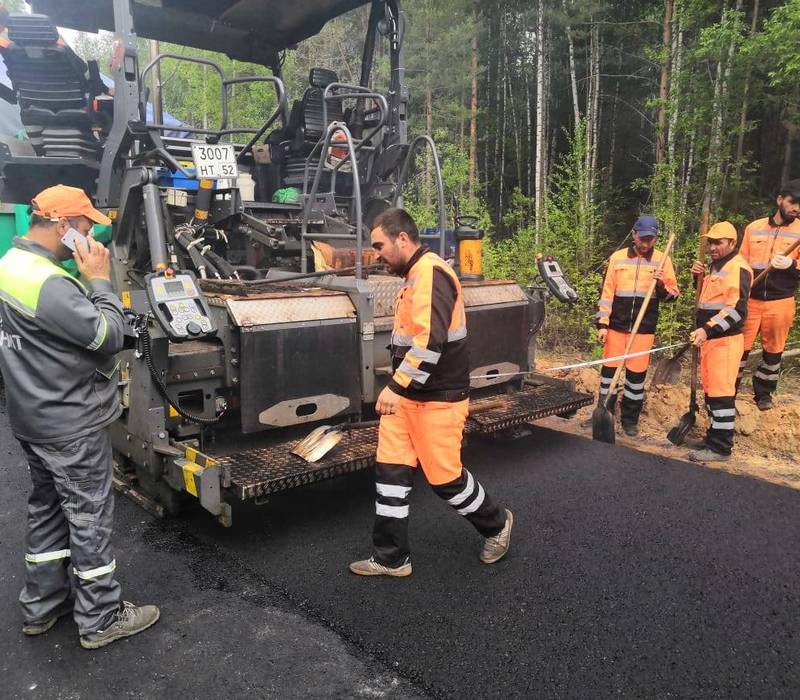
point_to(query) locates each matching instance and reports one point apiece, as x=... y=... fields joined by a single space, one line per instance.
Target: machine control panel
x=179 y=306
x=553 y=277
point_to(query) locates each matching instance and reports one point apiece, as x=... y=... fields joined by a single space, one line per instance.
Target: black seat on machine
x=307 y=125
x=54 y=88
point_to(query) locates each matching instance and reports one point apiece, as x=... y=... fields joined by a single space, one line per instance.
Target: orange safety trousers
x=425 y=432
x=719 y=366
x=615 y=346
x=428 y=433
x=635 y=372
x=773 y=321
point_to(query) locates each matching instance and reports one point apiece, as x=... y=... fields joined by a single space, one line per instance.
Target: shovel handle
x=639 y=317
x=761 y=275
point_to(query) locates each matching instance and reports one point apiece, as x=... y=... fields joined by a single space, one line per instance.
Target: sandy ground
x=766 y=444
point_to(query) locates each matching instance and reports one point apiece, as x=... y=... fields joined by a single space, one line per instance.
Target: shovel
x=323 y=439
x=602 y=417
x=668 y=369
x=677 y=435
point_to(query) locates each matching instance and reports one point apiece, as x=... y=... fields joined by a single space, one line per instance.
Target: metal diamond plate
x=384 y=294
x=485 y=295
x=289 y=309
x=261 y=471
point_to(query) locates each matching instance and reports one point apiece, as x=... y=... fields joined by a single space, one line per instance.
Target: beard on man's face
x=786 y=216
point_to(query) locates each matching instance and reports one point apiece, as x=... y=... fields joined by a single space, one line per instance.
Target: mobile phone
x=71 y=238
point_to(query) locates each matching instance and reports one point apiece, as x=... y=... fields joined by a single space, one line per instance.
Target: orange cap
x=722 y=229
x=61 y=200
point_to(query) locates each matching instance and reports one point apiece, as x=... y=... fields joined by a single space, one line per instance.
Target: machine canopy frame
x=255 y=31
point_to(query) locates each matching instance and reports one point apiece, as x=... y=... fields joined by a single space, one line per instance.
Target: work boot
x=33 y=629
x=765 y=403
x=631 y=430
x=369 y=567
x=695 y=443
x=131 y=619
x=495 y=548
x=707 y=455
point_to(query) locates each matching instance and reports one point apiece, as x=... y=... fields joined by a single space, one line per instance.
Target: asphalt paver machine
x=254 y=318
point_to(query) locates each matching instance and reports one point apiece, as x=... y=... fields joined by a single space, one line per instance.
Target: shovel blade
x=324 y=445
x=310 y=441
x=603 y=425
x=666 y=371
x=677 y=435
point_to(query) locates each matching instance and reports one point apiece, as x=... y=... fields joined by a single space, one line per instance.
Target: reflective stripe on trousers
x=70 y=517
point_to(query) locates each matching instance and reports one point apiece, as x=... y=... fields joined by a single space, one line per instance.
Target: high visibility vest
x=722 y=307
x=429 y=340
x=625 y=286
x=762 y=240
x=22 y=276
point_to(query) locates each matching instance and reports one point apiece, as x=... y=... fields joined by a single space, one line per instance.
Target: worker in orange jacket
x=771 y=309
x=630 y=273
x=424 y=407
x=721 y=314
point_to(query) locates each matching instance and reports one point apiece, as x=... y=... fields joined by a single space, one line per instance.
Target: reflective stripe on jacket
x=429 y=340
x=58 y=340
x=722 y=307
x=627 y=280
x=762 y=240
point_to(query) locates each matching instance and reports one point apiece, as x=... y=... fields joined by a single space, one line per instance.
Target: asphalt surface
x=629 y=575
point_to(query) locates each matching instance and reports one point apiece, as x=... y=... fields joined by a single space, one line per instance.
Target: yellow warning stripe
x=198 y=457
x=189 y=470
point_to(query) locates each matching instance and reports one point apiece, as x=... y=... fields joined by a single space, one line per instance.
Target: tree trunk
x=473 y=111
x=540 y=119
x=573 y=78
x=502 y=89
x=613 y=145
x=515 y=124
x=745 y=95
x=428 y=118
x=663 y=90
x=786 y=171
x=674 y=90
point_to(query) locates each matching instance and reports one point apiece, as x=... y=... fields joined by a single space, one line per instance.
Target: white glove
x=781 y=262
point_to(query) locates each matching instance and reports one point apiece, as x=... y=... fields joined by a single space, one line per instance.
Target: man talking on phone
x=58 y=343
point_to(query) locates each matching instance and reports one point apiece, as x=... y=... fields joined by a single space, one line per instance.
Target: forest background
x=559 y=122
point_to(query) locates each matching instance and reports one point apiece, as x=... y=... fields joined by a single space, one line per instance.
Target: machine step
x=260 y=471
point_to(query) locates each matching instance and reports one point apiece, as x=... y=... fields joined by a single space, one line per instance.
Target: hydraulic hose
x=140 y=326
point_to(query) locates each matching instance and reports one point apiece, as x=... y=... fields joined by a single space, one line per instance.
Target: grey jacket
x=58 y=341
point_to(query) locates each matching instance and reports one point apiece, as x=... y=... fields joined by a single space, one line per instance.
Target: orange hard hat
x=61 y=200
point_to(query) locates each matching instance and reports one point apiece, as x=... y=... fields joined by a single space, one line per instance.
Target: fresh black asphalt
x=629 y=575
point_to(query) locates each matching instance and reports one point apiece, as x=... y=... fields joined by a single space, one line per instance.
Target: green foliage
x=565 y=237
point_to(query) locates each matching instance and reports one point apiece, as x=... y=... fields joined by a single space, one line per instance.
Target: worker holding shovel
x=721 y=314
x=630 y=274
x=771 y=246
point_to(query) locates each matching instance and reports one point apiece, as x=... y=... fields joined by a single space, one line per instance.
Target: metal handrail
x=282 y=109
x=410 y=157
x=357 y=92
x=310 y=197
x=188 y=59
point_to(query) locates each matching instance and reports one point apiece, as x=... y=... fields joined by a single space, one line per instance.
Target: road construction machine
x=241 y=254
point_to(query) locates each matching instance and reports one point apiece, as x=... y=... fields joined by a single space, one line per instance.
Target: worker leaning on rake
x=721 y=314
x=628 y=277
